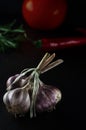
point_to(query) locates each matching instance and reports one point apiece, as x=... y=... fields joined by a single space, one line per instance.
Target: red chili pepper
x=60 y=43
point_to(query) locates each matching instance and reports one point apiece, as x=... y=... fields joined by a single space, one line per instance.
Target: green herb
x=11 y=35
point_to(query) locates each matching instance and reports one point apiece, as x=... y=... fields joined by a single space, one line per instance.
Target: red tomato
x=44 y=14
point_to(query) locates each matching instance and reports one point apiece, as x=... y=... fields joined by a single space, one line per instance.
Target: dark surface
x=69 y=77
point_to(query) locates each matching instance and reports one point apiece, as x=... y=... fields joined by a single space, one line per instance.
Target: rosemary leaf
x=17 y=31
x=11 y=44
x=10 y=36
x=4 y=29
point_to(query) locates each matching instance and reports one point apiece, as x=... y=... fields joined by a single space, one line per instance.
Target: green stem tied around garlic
x=34 y=95
x=33 y=83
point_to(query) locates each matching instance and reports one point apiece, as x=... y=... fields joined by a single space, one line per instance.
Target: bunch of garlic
x=28 y=93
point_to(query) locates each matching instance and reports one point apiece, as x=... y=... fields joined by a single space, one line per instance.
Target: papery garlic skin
x=18 y=84
x=17 y=101
x=11 y=79
x=47 y=98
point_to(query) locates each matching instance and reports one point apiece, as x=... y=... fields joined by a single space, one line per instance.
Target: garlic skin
x=47 y=98
x=17 y=101
x=18 y=84
x=11 y=79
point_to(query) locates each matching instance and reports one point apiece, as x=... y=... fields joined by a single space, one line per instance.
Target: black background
x=69 y=77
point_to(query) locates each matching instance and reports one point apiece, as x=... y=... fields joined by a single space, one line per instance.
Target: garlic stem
x=27 y=71
x=34 y=94
x=24 y=70
x=27 y=86
x=42 y=61
x=48 y=60
x=52 y=65
x=36 y=86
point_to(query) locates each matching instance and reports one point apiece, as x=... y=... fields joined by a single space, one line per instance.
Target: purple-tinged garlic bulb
x=28 y=93
x=17 y=101
x=47 y=98
x=21 y=82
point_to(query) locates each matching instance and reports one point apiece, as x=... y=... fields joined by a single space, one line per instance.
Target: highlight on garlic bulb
x=27 y=93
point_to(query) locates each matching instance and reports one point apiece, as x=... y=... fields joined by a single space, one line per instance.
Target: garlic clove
x=47 y=98
x=17 y=101
x=6 y=100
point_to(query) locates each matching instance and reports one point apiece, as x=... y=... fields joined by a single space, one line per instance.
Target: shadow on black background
x=69 y=77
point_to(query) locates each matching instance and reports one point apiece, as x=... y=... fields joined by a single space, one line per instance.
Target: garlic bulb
x=21 y=82
x=47 y=98
x=26 y=92
x=17 y=101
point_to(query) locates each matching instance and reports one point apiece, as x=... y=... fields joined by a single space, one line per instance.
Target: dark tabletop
x=69 y=77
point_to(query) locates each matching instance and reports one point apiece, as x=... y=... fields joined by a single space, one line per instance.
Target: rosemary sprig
x=11 y=35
